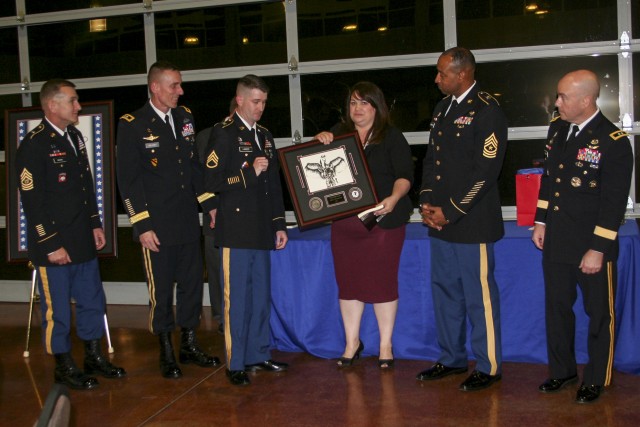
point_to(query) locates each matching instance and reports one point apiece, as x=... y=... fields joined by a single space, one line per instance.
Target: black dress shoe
x=268 y=365
x=588 y=393
x=238 y=377
x=478 y=380
x=343 y=362
x=438 y=371
x=552 y=385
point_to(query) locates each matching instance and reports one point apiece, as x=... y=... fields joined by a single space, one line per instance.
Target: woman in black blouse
x=366 y=262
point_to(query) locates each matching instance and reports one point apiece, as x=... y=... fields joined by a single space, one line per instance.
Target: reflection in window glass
x=521 y=154
x=363 y=28
x=485 y=24
x=527 y=89
x=410 y=93
x=7 y=102
x=87 y=49
x=7 y=8
x=209 y=102
x=41 y=6
x=223 y=36
x=9 y=65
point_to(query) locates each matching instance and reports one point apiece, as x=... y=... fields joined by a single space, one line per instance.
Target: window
x=335 y=30
x=7 y=8
x=223 y=36
x=75 y=51
x=526 y=90
x=9 y=56
x=484 y=24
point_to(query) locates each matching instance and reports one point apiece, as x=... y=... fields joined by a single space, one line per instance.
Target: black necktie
x=168 y=123
x=69 y=137
x=572 y=135
x=453 y=104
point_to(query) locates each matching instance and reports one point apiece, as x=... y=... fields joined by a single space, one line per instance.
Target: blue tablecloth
x=306 y=315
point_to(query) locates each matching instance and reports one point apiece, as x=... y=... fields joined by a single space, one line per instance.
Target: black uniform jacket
x=389 y=160
x=584 y=190
x=461 y=168
x=251 y=208
x=159 y=176
x=58 y=196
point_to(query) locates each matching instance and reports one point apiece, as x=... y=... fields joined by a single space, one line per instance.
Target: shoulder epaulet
x=618 y=134
x=226 y=122
x=487 y=98
x=185 y=108
x=262 y=127
x=553 y=119
x=36 y=130
x=128 y=117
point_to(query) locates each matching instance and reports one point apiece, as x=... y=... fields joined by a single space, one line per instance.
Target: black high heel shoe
x=386 y=363
x=345 y=361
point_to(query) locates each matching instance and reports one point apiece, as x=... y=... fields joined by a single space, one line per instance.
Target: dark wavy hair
x=374 y=96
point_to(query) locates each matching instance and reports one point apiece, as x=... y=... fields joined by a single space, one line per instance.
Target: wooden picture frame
x=328 y=182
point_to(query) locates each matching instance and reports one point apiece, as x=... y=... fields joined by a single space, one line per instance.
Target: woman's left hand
x=388 y=205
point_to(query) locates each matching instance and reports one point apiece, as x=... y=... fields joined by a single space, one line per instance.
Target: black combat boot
x=95 y=363
x=67 y=373
x=168 y=365
x=191 y=353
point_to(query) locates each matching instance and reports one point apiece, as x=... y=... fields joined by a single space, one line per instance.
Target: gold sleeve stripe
x=127 y=204
x=543 y=204
x=456 y=206
x=426 y=190
x=603 y=232
x=472 y=193
x=277 y=218
x=47 y=238
x=205 y=196
x=139 y=217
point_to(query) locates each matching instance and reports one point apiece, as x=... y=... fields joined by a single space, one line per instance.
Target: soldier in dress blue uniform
x=242 y=167
x=161 y=183
x=64 y=233
x=581 y=205
x=461 y=205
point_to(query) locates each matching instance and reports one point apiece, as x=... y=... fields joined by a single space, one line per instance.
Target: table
x=306 y=317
